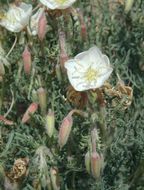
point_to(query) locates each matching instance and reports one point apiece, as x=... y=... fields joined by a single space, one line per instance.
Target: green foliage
x=120 y=35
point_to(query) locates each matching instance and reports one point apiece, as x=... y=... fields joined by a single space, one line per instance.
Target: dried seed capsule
x=26 y=55
x=50 y=123
x=42 y=100
x=65 y=130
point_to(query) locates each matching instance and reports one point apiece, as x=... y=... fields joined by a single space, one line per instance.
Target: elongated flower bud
x=58 y=72
x=65 y=130
x=96 y=164
x=27 y=61
x=82 y=24
x=87 y=162
x=63 y=52
x=42 y=100
x=55 y=178
x=31 y=110
x=50 y=123
x=42 y=27
x=128 y=5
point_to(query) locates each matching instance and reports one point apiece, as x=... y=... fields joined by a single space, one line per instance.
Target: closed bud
x=87 y=162
x=42 y=100
x=2 y=69
x=31 y=110
x=82 y=24
x=50 y=123
x=63 y=53
x=55 y=178
x=42 y=27
x=58 y=73
x=26 y=55
x=65 y=130
x=63 y=59
x=96 y=164
x=128 y=5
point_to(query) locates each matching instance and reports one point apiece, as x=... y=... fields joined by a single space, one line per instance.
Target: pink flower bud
x=50 y=123
x=5 y=121
x=42 y=27
x=42 y=100
x=65 y=130
x=63 y=53
x=82 y=24
x=31 y=110
x=26 y=55
x=63 y=59
x=96 y=164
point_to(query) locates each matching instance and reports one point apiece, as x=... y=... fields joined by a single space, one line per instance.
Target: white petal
x=55 y=4
x=17 y=17
x=103 y=78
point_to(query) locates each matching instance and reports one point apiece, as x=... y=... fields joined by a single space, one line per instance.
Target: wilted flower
x=88 y=70
x=55 y=178
x=57 y=4
x=34 y=20
x=17 y=17
x=19 y=170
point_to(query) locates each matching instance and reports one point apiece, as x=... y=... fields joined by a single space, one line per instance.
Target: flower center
x=61 y=1
x=90 y=74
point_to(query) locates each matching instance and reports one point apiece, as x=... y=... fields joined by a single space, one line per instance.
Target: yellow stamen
x=61 y=1
x=90 y=74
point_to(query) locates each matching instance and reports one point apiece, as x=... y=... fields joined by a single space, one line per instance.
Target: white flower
x=88 y=70
x=57 y=4
x=17 y=17
x=34 y=20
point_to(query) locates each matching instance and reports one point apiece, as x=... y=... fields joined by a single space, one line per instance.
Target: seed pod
x=50 y=123
x=26 y=55
x=42 y=27
x=55 y=178
x=31 y=110
x=87 y=162
x=128 y=5
x=65 y=130
x=96 y=164
x=42 y=100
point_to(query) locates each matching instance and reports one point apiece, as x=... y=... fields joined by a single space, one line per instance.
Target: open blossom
x=17 y=17
x=88 y=70
x=34 y=20
x=57 y=4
